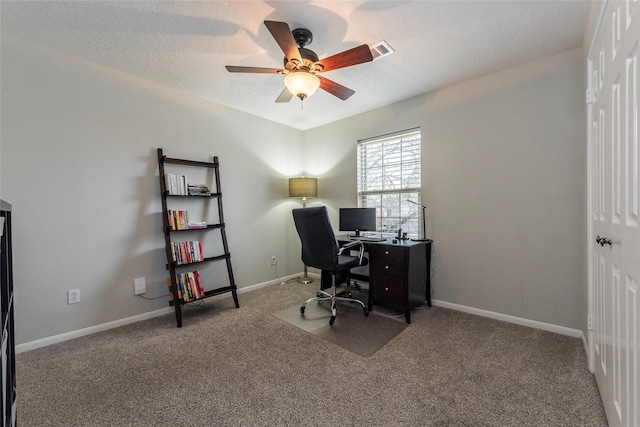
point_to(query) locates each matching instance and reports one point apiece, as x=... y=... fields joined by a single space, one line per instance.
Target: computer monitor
x=357 y=219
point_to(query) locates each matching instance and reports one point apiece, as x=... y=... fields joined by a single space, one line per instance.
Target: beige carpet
x=363 y=335
x=246 y=367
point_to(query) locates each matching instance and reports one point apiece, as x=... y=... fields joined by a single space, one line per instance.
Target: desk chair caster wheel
x=332 y=320
x=302 y=309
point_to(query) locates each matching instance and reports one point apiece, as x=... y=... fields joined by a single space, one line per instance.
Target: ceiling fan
x=302 y=66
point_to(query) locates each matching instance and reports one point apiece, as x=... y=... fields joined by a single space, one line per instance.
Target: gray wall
x=503 y=181
x=79 y=166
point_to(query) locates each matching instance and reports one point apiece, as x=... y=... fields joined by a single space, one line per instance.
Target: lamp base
x=305 y=279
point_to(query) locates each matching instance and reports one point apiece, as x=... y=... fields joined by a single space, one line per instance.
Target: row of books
x=186 y=252
x=189 y=286
x=176 y=184
x=179 y=220
x=198 y=190
x=180 y=186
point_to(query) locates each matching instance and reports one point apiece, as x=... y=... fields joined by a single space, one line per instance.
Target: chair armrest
x=351 y=245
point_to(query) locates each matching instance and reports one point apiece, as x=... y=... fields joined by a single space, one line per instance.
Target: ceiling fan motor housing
x=302 y=36
x=308 y=56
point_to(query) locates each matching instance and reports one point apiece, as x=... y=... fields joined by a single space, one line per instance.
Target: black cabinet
x=399 y=275
x=8 y=339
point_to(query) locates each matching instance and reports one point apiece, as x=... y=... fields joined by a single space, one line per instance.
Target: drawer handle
x=386 y=252
x=386 y=267
x=386 y=289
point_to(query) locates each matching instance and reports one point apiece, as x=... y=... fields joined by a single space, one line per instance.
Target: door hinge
x=590 y=97
x=589 y=322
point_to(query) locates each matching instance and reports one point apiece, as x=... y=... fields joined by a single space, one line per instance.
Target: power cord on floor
x=283 y=282
x=275 y=263
x=152 y=298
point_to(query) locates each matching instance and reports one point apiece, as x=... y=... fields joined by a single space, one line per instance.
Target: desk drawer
x=388 y=291
x=382 y=253
x=387 y=266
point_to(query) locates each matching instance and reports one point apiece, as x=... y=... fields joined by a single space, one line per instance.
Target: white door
x=614 y=264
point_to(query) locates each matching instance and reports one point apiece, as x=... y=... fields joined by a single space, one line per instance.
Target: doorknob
x=603 y=241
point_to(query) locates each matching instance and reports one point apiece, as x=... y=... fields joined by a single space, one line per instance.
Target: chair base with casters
x=349 y=287
x=326 y=296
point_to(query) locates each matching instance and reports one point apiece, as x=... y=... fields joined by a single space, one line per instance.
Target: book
x=172 y=225
x=192 y=285
x=183 y=253
x=197 y=225
x=196 y=274
x=171 y=292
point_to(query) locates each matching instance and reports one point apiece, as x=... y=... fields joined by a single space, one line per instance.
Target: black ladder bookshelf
x=178 y=299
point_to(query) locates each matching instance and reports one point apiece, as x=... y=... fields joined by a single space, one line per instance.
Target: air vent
x=381 y=49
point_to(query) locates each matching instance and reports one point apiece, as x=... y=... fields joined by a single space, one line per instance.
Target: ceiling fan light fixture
x=302 y=83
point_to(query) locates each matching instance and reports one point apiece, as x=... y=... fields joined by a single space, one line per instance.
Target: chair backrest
x=319 y=244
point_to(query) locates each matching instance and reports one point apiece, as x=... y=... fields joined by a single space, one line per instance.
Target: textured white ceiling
x=186 y=44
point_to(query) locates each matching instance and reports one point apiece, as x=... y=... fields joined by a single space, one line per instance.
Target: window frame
x=392 y=214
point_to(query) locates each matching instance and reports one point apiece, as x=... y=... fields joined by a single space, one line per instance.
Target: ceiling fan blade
x=283 y=36
x=335 y=89
x=234 y=69
x=285 y=96
x=350 y=57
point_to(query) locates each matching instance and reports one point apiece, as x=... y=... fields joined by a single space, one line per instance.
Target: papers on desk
x=369 y=239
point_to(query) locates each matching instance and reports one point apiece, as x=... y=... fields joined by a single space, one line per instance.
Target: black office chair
x=320 y=250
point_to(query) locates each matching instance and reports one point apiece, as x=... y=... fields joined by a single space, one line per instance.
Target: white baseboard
x=32 y=345
x=576 y=333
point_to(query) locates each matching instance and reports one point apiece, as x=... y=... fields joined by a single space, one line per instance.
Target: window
x=389 y=173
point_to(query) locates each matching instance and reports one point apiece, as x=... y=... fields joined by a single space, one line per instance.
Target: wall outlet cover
x=139 y=286
x=73 y=296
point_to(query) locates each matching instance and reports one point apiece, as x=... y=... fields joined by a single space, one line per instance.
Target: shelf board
x=208 y=227
x=207 y=294
x=190 y=162
x=210 y=196
x=209 y=259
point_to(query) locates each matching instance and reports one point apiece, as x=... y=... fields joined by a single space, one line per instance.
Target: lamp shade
x=303 y=187
x=302 y=83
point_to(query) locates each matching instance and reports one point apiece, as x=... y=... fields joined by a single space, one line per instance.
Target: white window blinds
x=389 y=173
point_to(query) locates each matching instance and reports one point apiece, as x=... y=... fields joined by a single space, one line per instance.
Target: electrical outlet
x=273 y=260
x=73 y=296
x=139 y=286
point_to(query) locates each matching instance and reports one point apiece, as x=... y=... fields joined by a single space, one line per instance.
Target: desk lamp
x=303 y=187
x=424 y=227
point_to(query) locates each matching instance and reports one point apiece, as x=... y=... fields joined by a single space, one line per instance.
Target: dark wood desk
x=399 y=274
